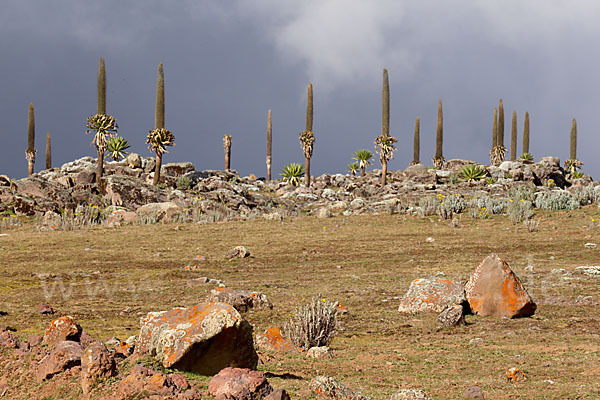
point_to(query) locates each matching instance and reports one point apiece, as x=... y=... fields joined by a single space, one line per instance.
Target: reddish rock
x=86 y=339
x=278 y=394
x=515 y=375
x=35 y=340
x=124 y=348
x=97 y=363
x=494 y=290
x=473 y=392
x=65 y=354
x=121 y=217
x=204 y=338
x=273 y=340
x=7 y=339
x=241 y=300
x=142 y=382
x=431 y=295
x=45 y=309
x=239 y=384
x=63 y=328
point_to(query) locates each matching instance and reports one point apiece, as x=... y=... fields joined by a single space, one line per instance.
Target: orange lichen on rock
x=63 y=328
x=495 y=290
x=515 y=375
x=273 y=340
x=431 y=295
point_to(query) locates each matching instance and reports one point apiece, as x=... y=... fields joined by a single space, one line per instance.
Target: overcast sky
x=227 y=62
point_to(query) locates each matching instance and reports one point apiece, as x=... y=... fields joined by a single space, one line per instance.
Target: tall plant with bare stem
x=103 y=125
x=498 y=151
x=227 y=149
x=48 y=151
x=513 y=137
x=417 y=143
x=439 y=160
x=31 y=151
x=384 y=143
x=269 y=144
x=307 y=136
x=159 y=138
x=572 y=164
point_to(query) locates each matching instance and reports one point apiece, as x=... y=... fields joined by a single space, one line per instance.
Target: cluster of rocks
x=126 y=188
x=493 y=289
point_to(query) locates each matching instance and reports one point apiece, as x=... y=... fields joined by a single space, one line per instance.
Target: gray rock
x=410 y=394
x=357 y=203
x=237 y=252
x=323 y=213
x=431 y=295
x=133 y=160
x=452 y=316
x=473 y=392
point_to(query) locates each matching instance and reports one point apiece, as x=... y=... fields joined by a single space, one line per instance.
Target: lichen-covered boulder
x=65 y=354
x=494 y=290
x=204 y=338
x=273 y=340
x=239 y=384
x=431 y=295
x=63 y=328
x=144 y=383
x=410 y=394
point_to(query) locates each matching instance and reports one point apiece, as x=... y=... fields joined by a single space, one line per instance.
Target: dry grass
x=365 y=262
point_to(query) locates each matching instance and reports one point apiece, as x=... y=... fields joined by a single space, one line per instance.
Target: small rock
x=430 y=240
x=590 y=245
x=60 y=329
x=476 y=341
x=65 y=355
x=593 y=270
x=8 y=340
x=237 y=252
x=330 y=387
x=45 y=309
x=318 y=353
x=473 y=392
x=410 y=394
x=273 y=340
x=239 y=384
x=241 y=300
x=97 y=363
x=142 y=382
x=278 y=394
x=452 y=316
x=431 y=295
x=35 y=340
x=323 y=213
x=515 y=375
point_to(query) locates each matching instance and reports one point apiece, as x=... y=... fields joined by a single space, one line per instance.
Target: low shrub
x=519 y=211
x=556 y=200
x=312 y=324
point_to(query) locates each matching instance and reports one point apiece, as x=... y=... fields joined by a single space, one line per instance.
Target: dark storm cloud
x=227 y=62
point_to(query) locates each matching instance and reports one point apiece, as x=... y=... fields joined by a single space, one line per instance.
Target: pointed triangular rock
x=494 y=290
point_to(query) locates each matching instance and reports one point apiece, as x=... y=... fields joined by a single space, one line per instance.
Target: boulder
x=121 y=217
x=241 y=300
x=142 y=382
x=410 y=394
x=161 y=211
x=97 y=364
x=431 y=295
x=176 y=169
x=204 y=338
x=133 y=160
x=456 y=165
x=318 y=353
x=8 y=340
x=4 y=180
x=323 y=212
x=60 y=329
x=452 y=316
x=278 y=394
x=237 y=252
x=131 y=193
x=65 y=355
x=87 y=176
x=273 y=340
x=45 y=309
x=494 y=290
x=239 y=384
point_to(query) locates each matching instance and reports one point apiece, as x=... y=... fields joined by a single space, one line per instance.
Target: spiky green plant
x=307 y=136
x=526 y=134
x=116 y=147
x=363 y=156
x=513 y=137
x=526 y=157
x=159 y=138
x=417 y=143
x=384 y=143
x=472 y=173
x=31 y=151
x=269 y=144
x=227 y=149
x=48 y=151
x=104 y=127
x=438 y=160
x=292 y=173
x=353 y=167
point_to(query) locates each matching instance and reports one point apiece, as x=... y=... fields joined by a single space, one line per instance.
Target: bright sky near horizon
x=227 y=62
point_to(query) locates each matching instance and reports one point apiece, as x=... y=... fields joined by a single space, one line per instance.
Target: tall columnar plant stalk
x=513 y=137
x=498 y=151
x=307 y=136
x=384 y=143
x=101 y=86
x=30 y=152
x=526 y=134
x=500 y=124
x=159 y=138
x=227 y=148
x=48 y=151
x=572 y=164
x=438 y=160
x=417 y=143
x=269 y=144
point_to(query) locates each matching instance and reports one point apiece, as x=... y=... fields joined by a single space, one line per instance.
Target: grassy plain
x=112 y=276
